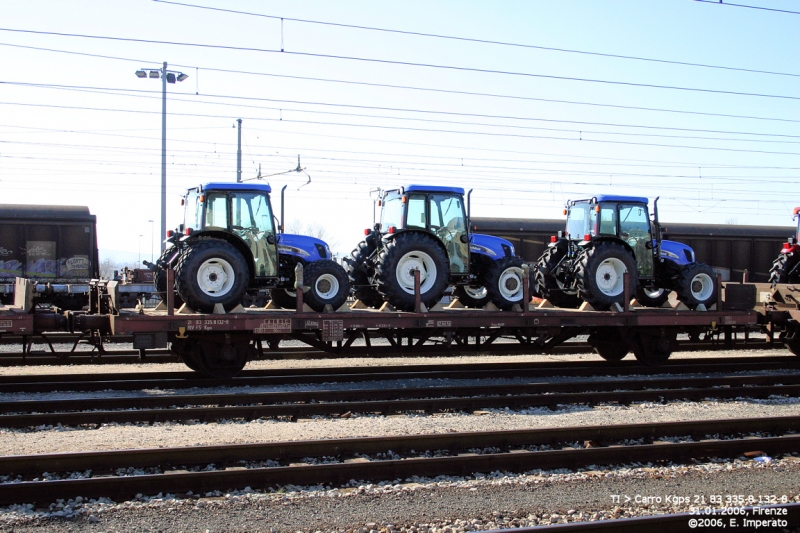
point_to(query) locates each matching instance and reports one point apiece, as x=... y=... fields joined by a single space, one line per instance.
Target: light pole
x=140 y=252
x=167 y=76
x=152 y=238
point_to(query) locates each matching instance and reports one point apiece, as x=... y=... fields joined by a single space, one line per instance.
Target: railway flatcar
x=730 y=249
x=54 y=246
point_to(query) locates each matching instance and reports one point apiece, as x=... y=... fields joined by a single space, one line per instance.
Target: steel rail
x=432 y=399
x=183 y=380
x=515 y=457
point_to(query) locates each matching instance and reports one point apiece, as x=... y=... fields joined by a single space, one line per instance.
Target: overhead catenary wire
x=409 y=64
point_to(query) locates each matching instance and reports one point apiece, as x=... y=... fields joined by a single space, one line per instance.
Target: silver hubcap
x=510 y=284
x=215 y=277
x=475 y=291
x=326 y=286
x=610 y=276
x=416 y=261
x=702 y=287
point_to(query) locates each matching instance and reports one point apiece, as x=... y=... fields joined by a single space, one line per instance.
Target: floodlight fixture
x=155 y=73
x=182 y=76
x=170 y=77
x=141 y=73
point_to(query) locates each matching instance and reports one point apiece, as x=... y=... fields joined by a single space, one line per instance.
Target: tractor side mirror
x=464 y=238
x=649 y=245
x=271 y=239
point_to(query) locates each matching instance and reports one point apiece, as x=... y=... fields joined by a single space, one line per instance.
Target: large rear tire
x=600 y=274
x=160 y=277
x=329 y=285
x=503 y=282
x=551 y=283
x=359 y=279
x=395 y=270
x=211 y=272
x=697 y=285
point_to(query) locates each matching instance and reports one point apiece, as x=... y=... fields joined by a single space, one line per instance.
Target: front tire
x=600 y=274
x=697 y=285
x=503 y=282
x=211 y=272
x=396 y=263
x=550 y=284
x=329 y=285
x=781 y=268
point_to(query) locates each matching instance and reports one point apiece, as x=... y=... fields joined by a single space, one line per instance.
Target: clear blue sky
x=540 y=127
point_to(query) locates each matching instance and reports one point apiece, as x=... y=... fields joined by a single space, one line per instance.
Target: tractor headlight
x=667 y=253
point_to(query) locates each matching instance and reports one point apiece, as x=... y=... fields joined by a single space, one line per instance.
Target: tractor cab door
x=448 y=222
x=252 y=221
x=634 y=228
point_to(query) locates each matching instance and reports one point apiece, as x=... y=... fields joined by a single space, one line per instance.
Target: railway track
x=184 y=380
x=199 y=469
x=299 y=404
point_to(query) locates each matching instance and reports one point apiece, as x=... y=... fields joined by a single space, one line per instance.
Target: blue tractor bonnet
x=677 y=252
x=216 y=186
x=491 y=246
x=303 y=246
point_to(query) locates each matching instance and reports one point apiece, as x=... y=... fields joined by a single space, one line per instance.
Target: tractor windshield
x=580 y=220
x=192 y=211
x=392 y=212
x=447 y=221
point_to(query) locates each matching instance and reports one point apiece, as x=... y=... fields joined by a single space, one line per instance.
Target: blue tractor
x=426 y=228
x=608 y=235
x=228 y=247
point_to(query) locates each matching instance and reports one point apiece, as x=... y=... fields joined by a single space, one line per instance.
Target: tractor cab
x=615 y=218
x=239 y=213
x=436 y=210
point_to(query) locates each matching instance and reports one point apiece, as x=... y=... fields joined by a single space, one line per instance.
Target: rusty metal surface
x=251 y=406
x=514 y=441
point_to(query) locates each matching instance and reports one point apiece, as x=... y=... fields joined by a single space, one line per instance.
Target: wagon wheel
x=188 y=350
x=224 y=360
x=609 y=343
x=654 y=348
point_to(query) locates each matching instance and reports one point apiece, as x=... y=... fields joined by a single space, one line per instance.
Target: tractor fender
x=677 y=253
x=493 y=247
x=234 y=240
x=309 y=249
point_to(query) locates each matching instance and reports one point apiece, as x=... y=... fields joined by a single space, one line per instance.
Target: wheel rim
x=610 y=276
x=326 y=286
x=653 y=293
x=475 y=291
x=416 y=261
x=215 y=277
x=510 y=284
x=702 y=287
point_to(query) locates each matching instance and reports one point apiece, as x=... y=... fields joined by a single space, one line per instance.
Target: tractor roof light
x=587 y=237
x=187 y=231
x=392 y=229
x=597 y=208
x=169 y=234
x=553 y=238
x=366 y=232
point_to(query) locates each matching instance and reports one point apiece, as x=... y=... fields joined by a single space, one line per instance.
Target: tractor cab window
x=192 y=210
x=608 y=219
x=580 y=220
x=634 y=228
x=251 y=220
x=216 y=210
x=447 y=222
x=415 y=217
x=392 y=212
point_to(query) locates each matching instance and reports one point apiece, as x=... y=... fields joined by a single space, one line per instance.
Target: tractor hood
x=493 y=247
x=677 y=252
x=303 y=246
